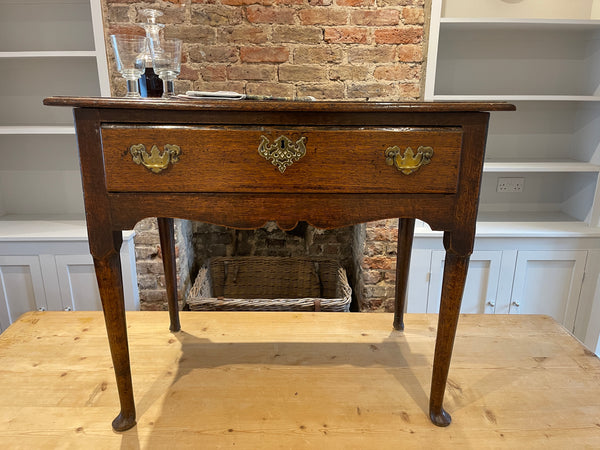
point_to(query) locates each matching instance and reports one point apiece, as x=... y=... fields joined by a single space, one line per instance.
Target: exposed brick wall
x=331 y=49
x=149 y=264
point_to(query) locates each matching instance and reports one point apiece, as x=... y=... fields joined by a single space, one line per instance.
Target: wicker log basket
x=270 y=284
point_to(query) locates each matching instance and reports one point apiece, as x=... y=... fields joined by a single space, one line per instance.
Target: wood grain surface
x=297 y=381
x=226 y=159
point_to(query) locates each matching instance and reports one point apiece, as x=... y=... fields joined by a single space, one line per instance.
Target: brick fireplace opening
x=366 y=251
x=362 y=50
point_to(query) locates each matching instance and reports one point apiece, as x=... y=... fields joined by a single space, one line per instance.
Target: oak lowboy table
x=243 y=163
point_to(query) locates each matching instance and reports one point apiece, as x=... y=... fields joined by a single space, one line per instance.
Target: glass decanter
x=150 y=84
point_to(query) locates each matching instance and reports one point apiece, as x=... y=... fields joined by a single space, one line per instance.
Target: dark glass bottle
x=150 y=84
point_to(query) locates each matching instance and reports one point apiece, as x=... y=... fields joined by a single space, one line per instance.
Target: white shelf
x=22 y=93
x=46 y=25
x=46 y=228
x=33 y=129
x=559 y=10
x=516 y=98
x=539 y=166
x=42 y=228
x=49 y=54
x=491 y=23
x=523 y=225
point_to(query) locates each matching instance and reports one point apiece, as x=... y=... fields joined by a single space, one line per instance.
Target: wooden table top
x=275 y=105
x=297 y=380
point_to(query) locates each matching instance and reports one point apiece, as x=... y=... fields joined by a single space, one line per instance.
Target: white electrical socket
x=510 y=184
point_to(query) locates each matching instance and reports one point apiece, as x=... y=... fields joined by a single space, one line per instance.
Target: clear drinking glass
x=166 y=60
x=129 y=55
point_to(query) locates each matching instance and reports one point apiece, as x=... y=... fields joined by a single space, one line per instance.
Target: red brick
x=229 y=85
x=126 y=29
x=188 y=73
x=405 y=35
x=371 y=55
x=118 y=13
x=409 y=91
x=389 y=277
x=397 y=72
x=410 y=53
x=346 y=35
x=242 y=34
x=173 y=15
x=379 y=262
x=297 y=34
x=251 y=72
x=264 y=54
x=380 y=17
x=348 y=72
x=191 y=34
x=222 y=54
x=323 y=16
x=372 y=276
x=382 y=234
x=355 y=3
x=375 y=248
x=245 y=2
x=292 y=72
x=413 y=15
x=382 y=3
x=317 y=54
x=370 y=90
x=216 y=16
x=273 y=15
x=323 y=91
x=214 y=73
x=270 y=89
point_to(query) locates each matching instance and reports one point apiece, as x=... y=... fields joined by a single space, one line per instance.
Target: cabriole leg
x=108 y=273
x=406 y=230
x=455 y=274
x=166 y=231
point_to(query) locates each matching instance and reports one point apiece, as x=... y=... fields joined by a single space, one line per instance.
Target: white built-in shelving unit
x=538 y=250
x=544 y=56
x=47 y=47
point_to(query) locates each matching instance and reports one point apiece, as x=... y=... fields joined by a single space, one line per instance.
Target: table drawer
x=281 y=159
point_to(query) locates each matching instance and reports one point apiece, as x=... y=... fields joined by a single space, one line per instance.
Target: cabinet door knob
x=516 y=303
x=67 y=308
x=491 y=303
x=42 y=308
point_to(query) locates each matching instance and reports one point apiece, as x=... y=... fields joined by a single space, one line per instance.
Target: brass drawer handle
x=155 y=161
x=282 y=152
x=408 y=162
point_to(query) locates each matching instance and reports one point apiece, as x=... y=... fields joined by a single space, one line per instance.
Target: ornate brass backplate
x=155 y=161
x=408 y=162
x=282 y=152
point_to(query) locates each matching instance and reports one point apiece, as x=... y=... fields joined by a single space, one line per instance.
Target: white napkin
x=218 y=95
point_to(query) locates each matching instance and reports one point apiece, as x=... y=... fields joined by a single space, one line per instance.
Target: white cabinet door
x=77 y=281
x=481 y=288
x=21 y=287
x=549 y=282
x=418 y=281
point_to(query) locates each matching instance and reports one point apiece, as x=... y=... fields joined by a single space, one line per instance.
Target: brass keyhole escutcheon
x=283 y=152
